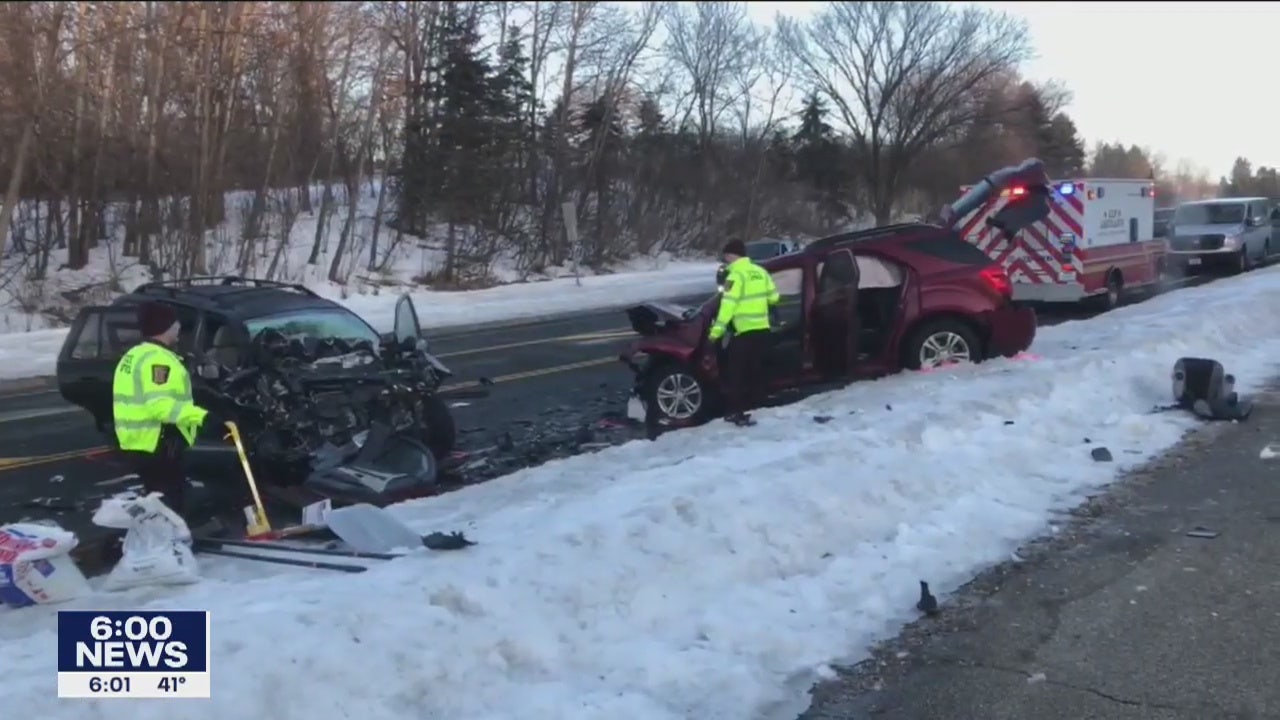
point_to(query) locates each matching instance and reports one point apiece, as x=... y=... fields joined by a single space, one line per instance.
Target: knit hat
x=155 y=318
x=734 y=247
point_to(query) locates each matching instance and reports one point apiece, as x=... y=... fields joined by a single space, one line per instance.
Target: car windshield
x=315 y=324
x=1210 y=214
x=762 y=250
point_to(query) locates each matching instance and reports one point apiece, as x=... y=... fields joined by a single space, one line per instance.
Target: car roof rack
x=876 y=233
x=172 y=287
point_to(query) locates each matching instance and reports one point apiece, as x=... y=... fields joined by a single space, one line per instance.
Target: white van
x=1230 y=232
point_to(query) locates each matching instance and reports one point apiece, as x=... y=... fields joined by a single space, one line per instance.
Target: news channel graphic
x=133 y=654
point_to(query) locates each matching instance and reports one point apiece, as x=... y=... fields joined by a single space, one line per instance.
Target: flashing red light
x=1018 y=191
x=998 y=280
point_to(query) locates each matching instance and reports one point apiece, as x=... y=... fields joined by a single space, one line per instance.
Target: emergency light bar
x=1067 y=188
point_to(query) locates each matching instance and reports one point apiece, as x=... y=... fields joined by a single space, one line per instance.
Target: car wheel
x=440 y=434
x=675 y=394
x=1110 y=299
x=943 y=342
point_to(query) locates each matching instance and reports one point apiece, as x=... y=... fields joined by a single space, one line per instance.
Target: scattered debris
x=1270 y=452
x=822 y=419
x=928 y=604
x=1203 y=533
x=888 y=406
x=1008 y=422
x=1036 y=678
x=506 y=443
x=441 y=541
x=1101 y=454
x=1202 y=386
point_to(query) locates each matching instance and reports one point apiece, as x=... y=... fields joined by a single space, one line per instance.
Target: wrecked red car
x=855 y=305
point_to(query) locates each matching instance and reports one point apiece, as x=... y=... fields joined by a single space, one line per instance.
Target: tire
x=1114 y=295
x=938 y=335
x=1164 y=278
x=1244 y=263
x=674 y=393
x=440 y=434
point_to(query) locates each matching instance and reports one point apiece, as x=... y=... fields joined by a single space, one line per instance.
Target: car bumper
x=1066 y=292
x=1013 y=329
x=1195 y=258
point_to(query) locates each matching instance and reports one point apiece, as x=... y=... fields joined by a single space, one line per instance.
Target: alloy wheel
x=944 y=348
x=679 y=396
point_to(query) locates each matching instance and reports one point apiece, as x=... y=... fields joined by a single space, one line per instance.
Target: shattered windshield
x=319 y=324
x=1209 y=214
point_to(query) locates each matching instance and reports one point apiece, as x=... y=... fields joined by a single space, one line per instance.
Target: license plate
x=635 y=409
x=1193 y=261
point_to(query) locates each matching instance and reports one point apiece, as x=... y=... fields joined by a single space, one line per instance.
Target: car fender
x=953 y=314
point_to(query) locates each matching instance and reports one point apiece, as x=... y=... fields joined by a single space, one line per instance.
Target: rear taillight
x=998 y=280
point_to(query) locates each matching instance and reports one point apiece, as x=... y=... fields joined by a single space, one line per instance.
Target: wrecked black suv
x=323 y=401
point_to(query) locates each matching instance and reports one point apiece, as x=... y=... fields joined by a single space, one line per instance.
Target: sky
x=1190 y=80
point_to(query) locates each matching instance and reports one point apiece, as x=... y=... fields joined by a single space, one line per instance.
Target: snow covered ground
x=710 y=574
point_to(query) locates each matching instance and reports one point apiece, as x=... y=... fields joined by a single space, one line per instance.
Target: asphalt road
x=1121 y=616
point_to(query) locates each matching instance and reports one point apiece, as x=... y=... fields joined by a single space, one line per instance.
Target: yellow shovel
x=256 y=515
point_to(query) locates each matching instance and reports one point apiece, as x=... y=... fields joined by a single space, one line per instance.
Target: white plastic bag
x=157 y=542
x=36 y=565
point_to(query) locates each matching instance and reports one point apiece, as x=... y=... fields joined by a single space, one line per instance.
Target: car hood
x=1183 y=231
x=654 y=318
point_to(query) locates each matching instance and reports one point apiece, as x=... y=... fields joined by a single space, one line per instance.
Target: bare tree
x=712 y=43
x=903 y=76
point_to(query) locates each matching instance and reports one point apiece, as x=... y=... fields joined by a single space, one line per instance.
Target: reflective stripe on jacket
x=145 y=399
x=748 y=294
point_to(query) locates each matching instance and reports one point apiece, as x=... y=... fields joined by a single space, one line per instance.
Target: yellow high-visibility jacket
x=152 y=389
x=749 y=292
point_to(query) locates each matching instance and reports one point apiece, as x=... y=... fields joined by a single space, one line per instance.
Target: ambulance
x=1095 y=243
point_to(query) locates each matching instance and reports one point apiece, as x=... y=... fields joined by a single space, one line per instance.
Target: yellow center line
x=16 y=463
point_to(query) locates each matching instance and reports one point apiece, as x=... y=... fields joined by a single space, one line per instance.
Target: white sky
x=1190 y=80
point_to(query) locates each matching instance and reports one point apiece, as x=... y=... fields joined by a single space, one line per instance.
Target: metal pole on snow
x=570 y=212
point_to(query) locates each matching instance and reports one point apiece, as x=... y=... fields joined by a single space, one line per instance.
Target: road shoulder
x=1119 y=614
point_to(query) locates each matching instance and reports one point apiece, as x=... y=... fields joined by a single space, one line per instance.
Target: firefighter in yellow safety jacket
x=155 y=416
x=748 y=295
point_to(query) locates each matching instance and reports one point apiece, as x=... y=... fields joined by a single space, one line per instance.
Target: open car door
x=98 y=338
x=406 y=321
x=835 y=315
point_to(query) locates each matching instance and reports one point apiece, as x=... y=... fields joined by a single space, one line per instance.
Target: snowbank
x=519 y=301
x=712 y=573
x=28 y=354
x=402 y=265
